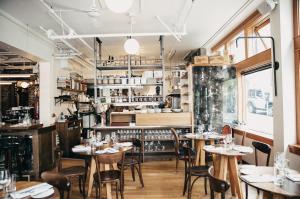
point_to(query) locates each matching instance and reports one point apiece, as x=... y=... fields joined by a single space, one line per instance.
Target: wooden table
x=288 y=189
x=24 y=184
x=200 y=141
x=226 y=160
x=91 y=155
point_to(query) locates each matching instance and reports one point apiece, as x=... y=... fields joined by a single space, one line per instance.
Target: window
x=258 y=100
x=256 y=46
x=238 y=52
x=229 y=91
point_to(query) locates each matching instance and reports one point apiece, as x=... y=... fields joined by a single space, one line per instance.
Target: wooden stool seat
x=73 y=171
x=107 y=176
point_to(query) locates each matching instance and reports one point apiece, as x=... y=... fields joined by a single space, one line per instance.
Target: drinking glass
x=4 y=179
x=11 y=187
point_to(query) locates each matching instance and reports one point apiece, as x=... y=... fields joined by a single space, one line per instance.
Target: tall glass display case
x=214 y=96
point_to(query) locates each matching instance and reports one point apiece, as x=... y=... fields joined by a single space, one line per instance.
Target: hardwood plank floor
x=161 y=182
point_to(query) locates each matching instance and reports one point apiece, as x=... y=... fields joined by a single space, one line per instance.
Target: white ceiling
x=206 y=18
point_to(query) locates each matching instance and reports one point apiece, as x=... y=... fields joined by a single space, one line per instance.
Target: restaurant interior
x=132 y=99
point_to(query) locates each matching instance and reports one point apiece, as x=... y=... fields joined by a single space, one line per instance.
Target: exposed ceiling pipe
x=185 y=13
x=177 y=37
x=53 y=37
x=52 y=32
x=61 y=21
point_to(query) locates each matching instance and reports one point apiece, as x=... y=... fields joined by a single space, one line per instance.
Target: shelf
x=134 y=104
x=126 y=85
x=71 y=90
x=139 y=67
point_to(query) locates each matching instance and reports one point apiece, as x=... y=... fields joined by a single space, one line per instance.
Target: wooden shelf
x=71 y=90
x=139 y=67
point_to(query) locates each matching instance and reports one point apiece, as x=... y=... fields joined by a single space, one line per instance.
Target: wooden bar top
x=100 y=127
x=20 y=127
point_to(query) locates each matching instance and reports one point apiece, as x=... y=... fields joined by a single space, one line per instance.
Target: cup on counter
x=11 y=187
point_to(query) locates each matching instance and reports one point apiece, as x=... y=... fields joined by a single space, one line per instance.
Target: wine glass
x=4 y=179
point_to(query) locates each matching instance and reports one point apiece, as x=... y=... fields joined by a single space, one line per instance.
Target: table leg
x=108 y=185
x=231 y=179
x=223 y=167
x=197 y=146
x=202 y=153
x=90 y=177
x=235 y=178
x=216 y=163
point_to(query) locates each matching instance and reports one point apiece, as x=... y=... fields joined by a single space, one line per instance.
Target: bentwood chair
x=78 y=172
x=193 y=171
x=226 y=130
x=115 y=176
x=134 y=161
x=263 y=148
x=217 y=185
x=59 y=181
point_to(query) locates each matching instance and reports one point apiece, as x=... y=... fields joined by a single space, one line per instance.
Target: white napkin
x=294 y=177
x=258 y=178
x=243 y=149
x=30 y=191
x=81 y=148
x=107 y=150
x=124 y=144
x=190 y=135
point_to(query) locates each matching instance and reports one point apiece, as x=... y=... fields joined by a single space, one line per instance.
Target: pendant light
x=131 y=46
x=119 y=6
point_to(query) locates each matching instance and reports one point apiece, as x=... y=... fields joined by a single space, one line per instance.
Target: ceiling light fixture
x=15 y=75
x=5 y=83
x=24 y=84
x=119 y=6
x=131 y=46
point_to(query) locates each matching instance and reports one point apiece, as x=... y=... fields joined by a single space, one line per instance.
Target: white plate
x=45 y=194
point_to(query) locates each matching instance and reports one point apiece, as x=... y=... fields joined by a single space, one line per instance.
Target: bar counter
x=100 y=127
x=43 y=142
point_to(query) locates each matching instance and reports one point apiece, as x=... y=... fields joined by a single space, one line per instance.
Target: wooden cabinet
x=69 y=133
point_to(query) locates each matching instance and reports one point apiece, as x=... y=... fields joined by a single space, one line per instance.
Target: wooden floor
x=161 y=181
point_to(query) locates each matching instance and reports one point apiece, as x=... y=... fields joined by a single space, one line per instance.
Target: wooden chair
x=226 y=130
x=71 y=172
x=134 y=161
x=216 y=185
x=193 y=171
x=264 y=148
x=59 y=181
x=110 y=176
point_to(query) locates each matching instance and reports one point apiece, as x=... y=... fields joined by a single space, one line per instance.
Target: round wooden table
x=288 y=189
x=24 y=184
x=200 y=141
x=91 y=154
x=225 y=160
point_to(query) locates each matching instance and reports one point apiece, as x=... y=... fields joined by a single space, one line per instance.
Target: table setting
x=278 y=180
x=9 y=188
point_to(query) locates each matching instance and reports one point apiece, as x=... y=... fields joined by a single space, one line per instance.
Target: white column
x=46 y=93
x=284 y=103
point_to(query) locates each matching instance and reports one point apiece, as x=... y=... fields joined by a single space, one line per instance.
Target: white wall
x=284 y=103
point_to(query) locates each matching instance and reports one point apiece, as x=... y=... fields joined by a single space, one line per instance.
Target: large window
x=258 y=100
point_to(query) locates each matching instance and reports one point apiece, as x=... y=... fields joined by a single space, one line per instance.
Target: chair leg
x=222 y=195
x=61 y=194
x=79 y=181
x=246 y=191
x=83 y=187
x=122 y=191
x=185 y=180
x=117 y=190
x=132 y=172
x=205 y=185
x=189 y=188
x=212 y=194
x=139 y=171
x=177 y=160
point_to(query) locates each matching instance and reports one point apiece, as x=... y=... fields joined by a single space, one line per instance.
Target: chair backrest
x=137 y=144
x=110 y=159
x=56 y=180
x=217 y=185
x=264 y=148
x=176 y=141
x=187 y=153
x=226 y=130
